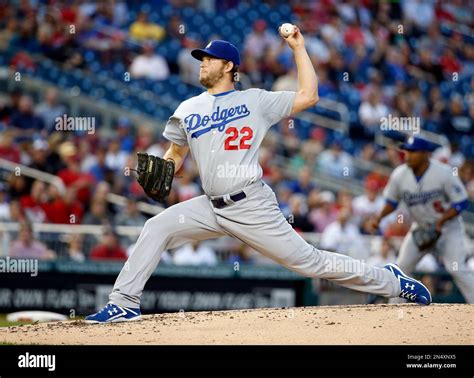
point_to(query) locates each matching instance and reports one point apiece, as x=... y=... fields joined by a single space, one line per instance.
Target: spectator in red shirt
x=33 y=203
x=449 y=62
x=8 y=150
x=109 y=248
x=354 y=35
x=22 y=61
x=63 y=210
x=69 y=13
x=72 y=175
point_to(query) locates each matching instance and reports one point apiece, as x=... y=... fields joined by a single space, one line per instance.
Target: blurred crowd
x=379 y=57
x=91 y=167
x=358 y=50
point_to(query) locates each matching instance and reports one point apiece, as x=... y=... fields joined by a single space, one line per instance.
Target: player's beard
x=211 y=80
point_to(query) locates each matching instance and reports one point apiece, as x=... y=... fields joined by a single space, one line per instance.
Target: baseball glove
x=155 y=175
x=425 y=237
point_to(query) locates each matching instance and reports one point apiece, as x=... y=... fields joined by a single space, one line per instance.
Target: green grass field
x=5 y=323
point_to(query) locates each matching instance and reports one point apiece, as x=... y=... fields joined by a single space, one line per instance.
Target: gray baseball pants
x=452 y=249
x=258 y=222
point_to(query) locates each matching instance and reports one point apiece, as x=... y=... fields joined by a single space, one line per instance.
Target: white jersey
x=224 y=133
x=429 y=196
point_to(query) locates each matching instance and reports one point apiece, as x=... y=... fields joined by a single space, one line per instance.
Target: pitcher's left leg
x=258 y=222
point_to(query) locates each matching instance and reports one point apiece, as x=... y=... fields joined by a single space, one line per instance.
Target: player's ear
x=228 y=66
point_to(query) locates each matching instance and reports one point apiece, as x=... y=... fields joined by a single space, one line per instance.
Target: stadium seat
x=231 y=14
x=188 y=12
x=235 y=39
x=263 y=8
x=86 y=85
x=243 y=7
x=205 y=30
x=285 y=9
x=154 y=17
x=145 y=7
x=97 y=92
x=174 y=80
x=239 y=23
x=219 y=21
x=89 y=56
x=275 y=18
x=227 y=31
x=167 y=11
x=181 y=90
x=158 y=87
x=197 y=20
x=252 y=15
x=95 y=67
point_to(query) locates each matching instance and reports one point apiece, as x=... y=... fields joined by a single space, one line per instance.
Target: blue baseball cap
x=219 y=49
x=418 y=144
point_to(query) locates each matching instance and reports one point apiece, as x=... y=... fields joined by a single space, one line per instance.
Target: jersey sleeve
x=174 y=131
x=391 y=192
x=455 y=191
x=275 y=105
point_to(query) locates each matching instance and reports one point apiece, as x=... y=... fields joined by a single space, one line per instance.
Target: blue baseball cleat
x=411 y=289
x=113 y=313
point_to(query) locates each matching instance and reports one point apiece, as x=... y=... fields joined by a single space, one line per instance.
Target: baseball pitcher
x=435 y=197
x=224 y=127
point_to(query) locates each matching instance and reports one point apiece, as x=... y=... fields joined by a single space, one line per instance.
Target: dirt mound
x=371 y=324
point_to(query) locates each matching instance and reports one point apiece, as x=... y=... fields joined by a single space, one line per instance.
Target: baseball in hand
x=287 y=29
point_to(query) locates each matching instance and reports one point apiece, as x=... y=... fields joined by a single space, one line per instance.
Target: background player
x=223 y=126
x=436 y=196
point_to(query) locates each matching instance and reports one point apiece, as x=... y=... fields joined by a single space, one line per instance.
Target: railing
x=56 y=181
x=341 y=125
x=75 y=102
x=57 y=236
x=33 y=173
x=54 y=228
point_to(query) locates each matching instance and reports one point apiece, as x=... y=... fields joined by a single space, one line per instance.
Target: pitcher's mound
x=368 y=324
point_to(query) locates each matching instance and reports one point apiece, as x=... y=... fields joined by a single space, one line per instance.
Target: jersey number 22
x=246 y=133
